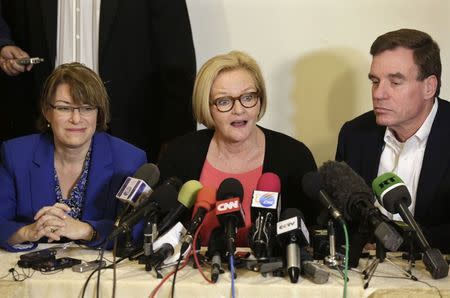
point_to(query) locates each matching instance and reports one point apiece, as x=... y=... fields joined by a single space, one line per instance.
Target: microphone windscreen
x=341 y=183
x=188 y=193
x=148 y=172
x=166 y=194
x=312 y=184
x=174 y=182
x=269 y=182
x=230 y=188
x=206 y=198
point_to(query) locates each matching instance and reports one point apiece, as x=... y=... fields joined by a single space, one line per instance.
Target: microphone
x=167 y=247
x=159 y=200
x=139 y=187
x=151 y=220
x=313 y=187
x=206 y=200
x=229 y=210
x=216 y=250
x=292 y=234
x=133 y=191
x=264 y=210
x=150 y=234
x=394 y=196
x=352 y=195
x=186 y=199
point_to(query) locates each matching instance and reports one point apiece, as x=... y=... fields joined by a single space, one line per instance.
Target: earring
x=48 y=125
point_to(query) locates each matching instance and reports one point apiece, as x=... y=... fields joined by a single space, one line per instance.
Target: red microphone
x=269 y=182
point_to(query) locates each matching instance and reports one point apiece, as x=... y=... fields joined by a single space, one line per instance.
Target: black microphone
x=229 y=210
x=206 y=200
x=292 y=234
x=185 y=201
x=165 y=251
x=166 y=246
x=216 y=251
x=133 y=192
x=152 y=219
x=264 y=210
x=352 y=196
x=165 y=195
x=139 y=187
x=394 y=196
x=313 y=187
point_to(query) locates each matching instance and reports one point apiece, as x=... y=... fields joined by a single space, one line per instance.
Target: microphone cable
x=155 y=290
x=176 y=270
x=232 y=275
x=97 y=270
x=114 y=268
x=191 y=251
x=199 y=267
x=344 y=226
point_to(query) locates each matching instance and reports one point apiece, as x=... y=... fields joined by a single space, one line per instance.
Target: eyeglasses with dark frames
x=226 y=103
x=68 y=110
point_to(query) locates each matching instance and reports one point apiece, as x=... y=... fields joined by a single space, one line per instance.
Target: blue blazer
x=360 y=145
x=27 y=181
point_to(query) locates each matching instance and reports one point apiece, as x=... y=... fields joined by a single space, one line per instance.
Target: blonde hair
x=86 y=87
x=209 y=72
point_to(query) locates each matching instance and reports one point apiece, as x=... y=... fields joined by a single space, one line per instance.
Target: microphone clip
x=272 y=265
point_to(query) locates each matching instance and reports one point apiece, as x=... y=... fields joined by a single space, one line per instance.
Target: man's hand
x=8 y=64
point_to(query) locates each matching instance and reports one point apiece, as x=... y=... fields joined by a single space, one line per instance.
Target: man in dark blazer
x=146 y=59
x=408 y=120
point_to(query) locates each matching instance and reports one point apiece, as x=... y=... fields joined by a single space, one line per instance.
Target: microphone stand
x=125 y=245
x=127 y=248
x=332 y=260
x=369 y=271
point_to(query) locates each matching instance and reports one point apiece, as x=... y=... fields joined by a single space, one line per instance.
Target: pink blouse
x=213 y=177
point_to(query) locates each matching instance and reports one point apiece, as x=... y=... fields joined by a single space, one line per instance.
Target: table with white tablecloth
x=133 y=281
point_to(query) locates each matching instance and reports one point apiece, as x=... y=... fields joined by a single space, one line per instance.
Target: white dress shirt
x=405 y=159
x=77 y=32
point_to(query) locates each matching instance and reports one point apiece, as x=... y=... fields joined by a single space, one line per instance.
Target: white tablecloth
x=134 y=281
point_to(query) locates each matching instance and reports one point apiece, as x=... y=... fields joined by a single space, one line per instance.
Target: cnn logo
x=229 y=205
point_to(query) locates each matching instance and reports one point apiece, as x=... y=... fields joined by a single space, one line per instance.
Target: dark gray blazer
x=360 y=145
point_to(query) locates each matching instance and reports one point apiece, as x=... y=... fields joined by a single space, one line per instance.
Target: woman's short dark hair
x=85 y=86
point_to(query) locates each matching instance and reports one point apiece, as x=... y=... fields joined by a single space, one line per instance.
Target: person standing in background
x=142 y=50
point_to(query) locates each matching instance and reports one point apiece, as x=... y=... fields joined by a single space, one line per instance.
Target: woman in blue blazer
x=61 y=184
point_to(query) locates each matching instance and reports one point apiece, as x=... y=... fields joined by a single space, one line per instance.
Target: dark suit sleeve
x=296 y=196
x=340 y=150
x=5 y=34
x=175 y=59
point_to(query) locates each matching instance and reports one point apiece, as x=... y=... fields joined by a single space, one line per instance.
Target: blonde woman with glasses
x=229 y=99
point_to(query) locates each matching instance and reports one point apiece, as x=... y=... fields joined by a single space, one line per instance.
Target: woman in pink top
x=229 y=98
